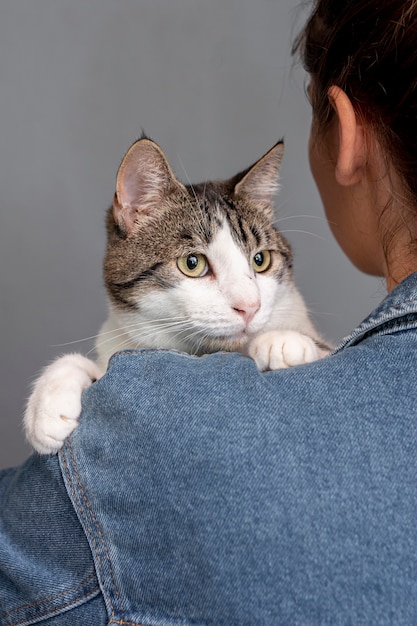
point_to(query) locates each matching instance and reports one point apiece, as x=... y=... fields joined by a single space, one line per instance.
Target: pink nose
x=248 y=312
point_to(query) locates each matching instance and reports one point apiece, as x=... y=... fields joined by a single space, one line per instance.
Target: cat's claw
x=54 y=406
x=277 y=349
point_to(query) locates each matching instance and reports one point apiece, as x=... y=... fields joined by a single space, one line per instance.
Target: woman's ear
x=351 y=156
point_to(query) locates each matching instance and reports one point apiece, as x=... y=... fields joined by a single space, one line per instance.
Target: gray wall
x=212 y=82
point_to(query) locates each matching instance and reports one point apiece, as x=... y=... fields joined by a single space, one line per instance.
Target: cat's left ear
x=259 y=183
x=144 y=179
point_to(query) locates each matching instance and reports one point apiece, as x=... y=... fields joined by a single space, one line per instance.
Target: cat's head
x=197 y=268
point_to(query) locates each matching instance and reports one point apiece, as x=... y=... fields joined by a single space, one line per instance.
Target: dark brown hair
x=369 y=49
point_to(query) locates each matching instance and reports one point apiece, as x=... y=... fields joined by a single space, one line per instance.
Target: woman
x=224 y=496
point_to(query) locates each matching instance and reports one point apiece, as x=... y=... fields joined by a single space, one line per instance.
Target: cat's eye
x=193 y=265
x=261 y=261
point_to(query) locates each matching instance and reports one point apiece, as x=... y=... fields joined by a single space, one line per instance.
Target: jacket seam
x=122 y=623
x=88 y=525
x=52 y=610
x=53 y=597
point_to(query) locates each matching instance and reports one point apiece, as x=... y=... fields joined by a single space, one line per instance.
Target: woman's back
x=286 y=498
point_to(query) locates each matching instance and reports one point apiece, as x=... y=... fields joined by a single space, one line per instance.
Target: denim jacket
x=198 y=491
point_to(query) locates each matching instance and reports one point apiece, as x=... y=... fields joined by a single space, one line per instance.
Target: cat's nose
x=247 y=311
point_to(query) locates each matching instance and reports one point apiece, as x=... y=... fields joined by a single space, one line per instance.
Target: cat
x=196 y=268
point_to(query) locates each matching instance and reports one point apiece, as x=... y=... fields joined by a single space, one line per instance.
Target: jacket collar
x=399 y=305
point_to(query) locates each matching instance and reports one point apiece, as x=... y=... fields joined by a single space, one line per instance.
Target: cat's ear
x=143 y=180
x=259 y=183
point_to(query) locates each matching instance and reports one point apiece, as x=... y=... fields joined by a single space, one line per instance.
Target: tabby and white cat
x=193 y=268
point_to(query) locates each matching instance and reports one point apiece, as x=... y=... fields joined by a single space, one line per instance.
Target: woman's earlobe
x=351 y=156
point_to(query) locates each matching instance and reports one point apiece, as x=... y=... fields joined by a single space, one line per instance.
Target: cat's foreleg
x=278 y=349
x=54 y=406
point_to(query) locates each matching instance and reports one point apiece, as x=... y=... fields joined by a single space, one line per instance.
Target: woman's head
x=368 y=48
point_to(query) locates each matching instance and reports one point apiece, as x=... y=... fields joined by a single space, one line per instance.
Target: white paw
x=278 y=349
x=54 y=406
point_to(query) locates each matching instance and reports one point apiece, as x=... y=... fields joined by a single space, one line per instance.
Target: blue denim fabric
x=46 y=568
x=212 y=494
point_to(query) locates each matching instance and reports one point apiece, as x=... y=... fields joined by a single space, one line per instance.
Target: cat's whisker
x=135 y=329
x=126 y=344
x=293 y=217
x=146 y=322
x=178 y=330
x=201 y=338
x=188 y=336
x=71 y=343
x=188 y=179
x=154 y=328
x=112 y=331
x=200 y=343
x=286 y=311
x=304 y=232
x=142 y=335
x=99 y=345
x=166 y=327
x=136 y=339
x=327 y=313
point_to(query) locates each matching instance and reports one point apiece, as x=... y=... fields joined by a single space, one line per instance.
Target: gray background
x=213 y=82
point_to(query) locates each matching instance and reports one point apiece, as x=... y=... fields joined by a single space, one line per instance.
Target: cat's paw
x=278 y=349
x=54 y=406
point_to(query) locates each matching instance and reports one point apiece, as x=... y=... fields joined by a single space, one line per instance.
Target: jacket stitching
x=76 y=499
x=121 y=623
x=55 y=609
x=88 y=525
x=53 y=597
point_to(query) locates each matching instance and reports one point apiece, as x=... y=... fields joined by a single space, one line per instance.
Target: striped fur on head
x=156 y=219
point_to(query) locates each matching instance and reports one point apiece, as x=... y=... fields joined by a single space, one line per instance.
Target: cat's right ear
x=260 y=182
x=143 y=180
